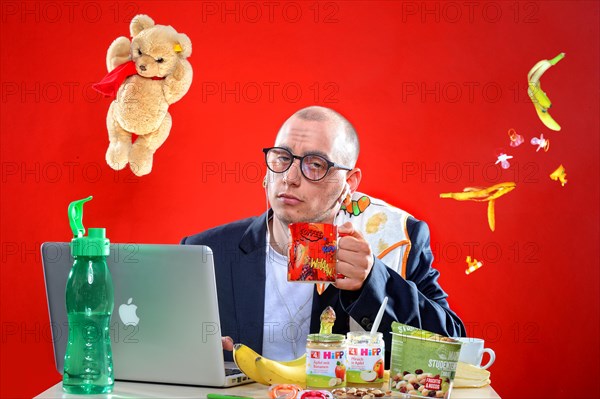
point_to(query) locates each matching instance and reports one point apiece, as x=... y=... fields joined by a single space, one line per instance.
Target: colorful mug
x=312 y=254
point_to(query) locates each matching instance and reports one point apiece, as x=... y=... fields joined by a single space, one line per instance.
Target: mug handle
x=492 y=357
x=339 y=275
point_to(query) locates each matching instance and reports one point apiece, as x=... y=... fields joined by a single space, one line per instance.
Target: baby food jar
x=365 y=357
x=326 y=361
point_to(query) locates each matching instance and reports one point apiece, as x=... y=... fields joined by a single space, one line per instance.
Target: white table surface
x=140 y=390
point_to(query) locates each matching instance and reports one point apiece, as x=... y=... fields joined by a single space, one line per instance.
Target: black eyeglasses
x=314 y=167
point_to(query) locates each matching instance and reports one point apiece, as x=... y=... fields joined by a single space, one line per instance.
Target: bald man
x=311 y=173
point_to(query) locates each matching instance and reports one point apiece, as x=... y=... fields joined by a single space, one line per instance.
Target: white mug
x=472 y=350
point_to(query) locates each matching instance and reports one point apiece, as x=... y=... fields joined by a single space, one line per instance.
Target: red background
x=432 y=89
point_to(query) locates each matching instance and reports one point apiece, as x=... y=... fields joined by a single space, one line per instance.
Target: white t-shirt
x=288 y=308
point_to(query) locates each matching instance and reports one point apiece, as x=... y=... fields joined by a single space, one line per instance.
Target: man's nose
x=292 y=175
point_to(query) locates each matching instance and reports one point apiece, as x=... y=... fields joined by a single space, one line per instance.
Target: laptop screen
x=165 y=323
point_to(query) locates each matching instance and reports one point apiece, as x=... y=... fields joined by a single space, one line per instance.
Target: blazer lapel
x=248 y=275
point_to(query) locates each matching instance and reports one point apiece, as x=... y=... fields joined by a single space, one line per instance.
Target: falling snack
x=515 y=138
x=540 y=100
x=472 y=265
x=541 y=143
x=559 y=175
x=503 y=160
x=489 y=194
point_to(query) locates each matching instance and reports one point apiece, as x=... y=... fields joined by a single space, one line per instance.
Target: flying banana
x=540 y=100
x=489 y=194
x=274 y=372
x=246 y=360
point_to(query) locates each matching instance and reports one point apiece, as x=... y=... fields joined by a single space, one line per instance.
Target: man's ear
x=139 y=23
x=353 y=179
x=183 y=45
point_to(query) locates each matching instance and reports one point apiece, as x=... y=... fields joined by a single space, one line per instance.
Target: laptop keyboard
x=232 y=371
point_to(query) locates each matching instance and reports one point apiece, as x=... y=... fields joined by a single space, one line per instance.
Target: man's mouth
x=289 y=199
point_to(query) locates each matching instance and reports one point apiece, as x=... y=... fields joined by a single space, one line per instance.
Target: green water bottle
x=88 y=365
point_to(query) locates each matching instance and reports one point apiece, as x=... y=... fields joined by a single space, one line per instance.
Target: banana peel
x=489 y=194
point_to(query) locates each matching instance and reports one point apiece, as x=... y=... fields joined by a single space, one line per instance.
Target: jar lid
x=326 y=337
x=366 y=334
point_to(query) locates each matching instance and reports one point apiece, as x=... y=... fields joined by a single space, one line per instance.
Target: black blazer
x=239 y=250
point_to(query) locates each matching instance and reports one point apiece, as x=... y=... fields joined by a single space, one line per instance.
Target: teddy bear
x=146 y=75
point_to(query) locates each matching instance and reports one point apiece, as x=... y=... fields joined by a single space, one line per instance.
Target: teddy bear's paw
x=116 y=158
x=140 y=170
x=140 y=160
x=118 y=53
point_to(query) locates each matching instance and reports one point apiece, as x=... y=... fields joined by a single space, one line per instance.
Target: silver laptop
x=165 y=323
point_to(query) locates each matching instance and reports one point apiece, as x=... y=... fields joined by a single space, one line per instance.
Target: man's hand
x=355 y=258
x=227 y=343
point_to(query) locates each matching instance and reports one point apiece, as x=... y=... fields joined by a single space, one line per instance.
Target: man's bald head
x=347 y=146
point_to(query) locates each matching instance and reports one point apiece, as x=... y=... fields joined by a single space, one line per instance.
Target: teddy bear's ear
x=139 y=23
x=183 y=46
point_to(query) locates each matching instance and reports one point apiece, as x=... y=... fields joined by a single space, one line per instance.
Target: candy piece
x=472 y=265
x=503 y=160
x=284 y=391
x=488 y=194
x=541 y=143
x=515 y=138
x=316 y=395
x=559 y=174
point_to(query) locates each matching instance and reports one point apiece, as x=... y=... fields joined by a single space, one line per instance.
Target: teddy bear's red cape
x=109 y=85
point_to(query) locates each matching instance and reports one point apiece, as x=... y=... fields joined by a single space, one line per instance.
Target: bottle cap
x=96 y=243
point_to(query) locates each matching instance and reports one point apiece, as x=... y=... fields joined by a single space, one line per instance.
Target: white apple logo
x=127 y=314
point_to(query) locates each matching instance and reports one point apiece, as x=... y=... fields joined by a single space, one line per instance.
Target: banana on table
x=266 y=371
x=489 y=194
